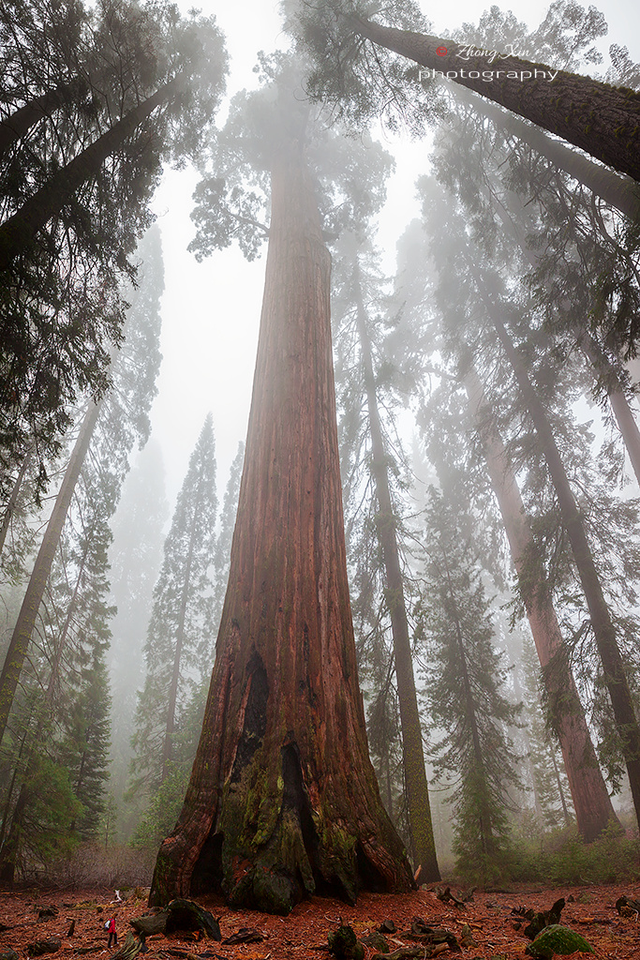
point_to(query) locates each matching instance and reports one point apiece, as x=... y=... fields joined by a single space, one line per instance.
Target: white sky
x=211 y=310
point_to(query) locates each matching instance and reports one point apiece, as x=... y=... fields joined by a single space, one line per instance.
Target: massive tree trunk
x=617 y=190
x=23 y=629
x=604 y=630
x=602 y=120
x=415 y=776
x=283 y=799
x=19 y=230
x=591 y=801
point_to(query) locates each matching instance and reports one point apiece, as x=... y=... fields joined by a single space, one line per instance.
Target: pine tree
x=63 y=623
x=465 y=683
x=225 y=534
x=549 y=785
x=180 y=625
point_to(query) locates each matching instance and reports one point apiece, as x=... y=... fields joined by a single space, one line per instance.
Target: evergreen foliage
x=76 y=186
x=467 y=703
x=179 y=640
x=65 y=690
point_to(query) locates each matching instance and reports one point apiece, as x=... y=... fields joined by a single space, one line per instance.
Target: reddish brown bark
x=604 y=630
x=283 y=799
x=591 y=800
x=600 y=119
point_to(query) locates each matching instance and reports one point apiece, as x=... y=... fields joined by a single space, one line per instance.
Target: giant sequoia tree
x=283 y=799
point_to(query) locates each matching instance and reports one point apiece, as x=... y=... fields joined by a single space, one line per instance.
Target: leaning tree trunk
x=13 y=497
x=591 y=801
x=283 y=799
x=617 y=190
x=18 y=231
x=617 y=398
x=602 y=120
x=604 y=630
x=23 y=629
x=19 y=123
x=419 y=808
x=598 y=358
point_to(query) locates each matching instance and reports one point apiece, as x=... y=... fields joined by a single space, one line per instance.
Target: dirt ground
x=589 y=910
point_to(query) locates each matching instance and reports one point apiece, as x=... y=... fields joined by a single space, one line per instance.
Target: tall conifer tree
x=181 y=616
x=466 y=692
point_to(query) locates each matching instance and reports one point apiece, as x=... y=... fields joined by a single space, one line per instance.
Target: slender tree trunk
x=19 y=230
x=415 y=775
x=591 y=800
x=485 y=821
x=592 y=350
x=617 y=398
x=10 y=850
x=619 y=191
x=602 y=120
x=601 y=623
x=21 y=637
x=13 y=497
x=175 y=676
x=565 y=809
x=283 y=799
x=18 y=124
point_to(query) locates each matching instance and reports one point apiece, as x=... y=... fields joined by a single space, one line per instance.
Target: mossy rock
x=377 y=942
x=344 y=945
x=557 y=939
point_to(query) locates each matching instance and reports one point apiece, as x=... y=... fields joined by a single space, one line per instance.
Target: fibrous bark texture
x=283 y=799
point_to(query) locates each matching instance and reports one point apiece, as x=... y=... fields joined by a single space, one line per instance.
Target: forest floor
x=497 y=933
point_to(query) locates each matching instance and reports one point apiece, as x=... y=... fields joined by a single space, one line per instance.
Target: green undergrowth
x=562 y=857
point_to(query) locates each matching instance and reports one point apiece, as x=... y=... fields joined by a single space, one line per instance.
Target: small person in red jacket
x=112 y=933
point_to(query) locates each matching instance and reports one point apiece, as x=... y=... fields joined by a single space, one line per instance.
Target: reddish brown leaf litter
x=590 y=910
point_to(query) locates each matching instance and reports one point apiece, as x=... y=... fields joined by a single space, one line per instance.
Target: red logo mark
x=442 y=51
